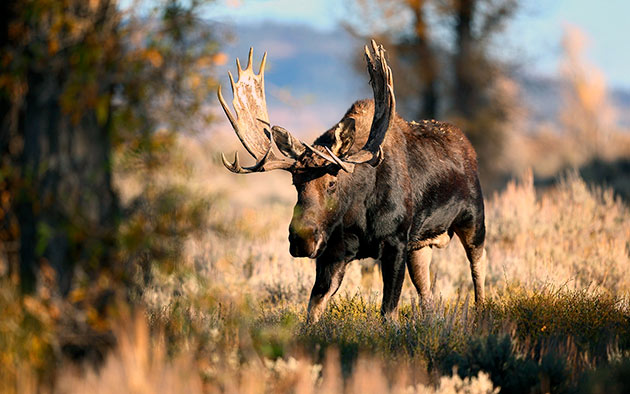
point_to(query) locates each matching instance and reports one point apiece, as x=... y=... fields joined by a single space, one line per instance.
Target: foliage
x=26 y=337
x=594 y=321
x=121 y=83
x=92 y=96
x=496 y=356
x=613 y=378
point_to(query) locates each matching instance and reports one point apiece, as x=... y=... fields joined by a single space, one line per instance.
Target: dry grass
x=139 y=365
x=229 y=316
x=571 y=235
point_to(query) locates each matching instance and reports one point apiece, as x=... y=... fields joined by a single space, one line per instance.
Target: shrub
x=495 y=356
x=611 y=379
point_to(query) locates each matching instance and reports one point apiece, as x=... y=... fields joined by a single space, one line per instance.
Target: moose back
x=373 y=185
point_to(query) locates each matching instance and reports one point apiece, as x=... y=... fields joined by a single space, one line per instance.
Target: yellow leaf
x=77 y=295
x=195 y=81
x=154 y=57
x=205 y=61
x=53 y=46
x=102 y=109
x=220 y=58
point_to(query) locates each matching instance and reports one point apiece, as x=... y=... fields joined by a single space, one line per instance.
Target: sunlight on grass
x=230 y=315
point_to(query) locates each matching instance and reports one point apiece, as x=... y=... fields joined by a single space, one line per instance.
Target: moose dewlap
x=373 y=185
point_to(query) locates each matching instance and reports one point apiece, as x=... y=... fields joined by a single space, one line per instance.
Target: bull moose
x=373 y=185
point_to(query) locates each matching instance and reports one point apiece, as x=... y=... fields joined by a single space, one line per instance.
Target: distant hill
x=311 y=77
x=621 y=100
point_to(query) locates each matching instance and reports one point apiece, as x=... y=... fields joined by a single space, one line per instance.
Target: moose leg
x=393 y=270
x=473 y=241
x=478 y=263
x=418 y=262
x=328 y=278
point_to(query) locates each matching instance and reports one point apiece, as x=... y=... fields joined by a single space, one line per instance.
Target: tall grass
x=229 y=316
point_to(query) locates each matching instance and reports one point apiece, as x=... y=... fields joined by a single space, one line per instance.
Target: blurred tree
x=58 y=79
x=587 y=114
x=81 y=83
x=480 y=106
x=443 y=65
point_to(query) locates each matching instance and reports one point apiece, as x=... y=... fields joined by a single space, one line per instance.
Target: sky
x=535 y=35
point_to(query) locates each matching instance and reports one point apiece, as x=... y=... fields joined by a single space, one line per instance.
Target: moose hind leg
x=328 y=278
x=418 y=263
x=478 y=263
x=474 y=245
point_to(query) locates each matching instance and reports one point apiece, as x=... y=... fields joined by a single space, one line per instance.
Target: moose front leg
x=327 y=281
x=393 y=270
x=330 y=269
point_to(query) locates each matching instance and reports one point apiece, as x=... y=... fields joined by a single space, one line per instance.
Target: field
x=230 y=316
x=132 y=261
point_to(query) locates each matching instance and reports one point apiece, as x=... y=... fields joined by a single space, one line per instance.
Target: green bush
x=611 y=379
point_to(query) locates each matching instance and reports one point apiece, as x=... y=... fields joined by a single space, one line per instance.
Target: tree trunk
x=464 y=100
x=428 y=73
x=10 y=143
x=55 y=166
x=67 y=210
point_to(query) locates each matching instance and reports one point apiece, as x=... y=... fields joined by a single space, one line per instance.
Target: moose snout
x=305 y=240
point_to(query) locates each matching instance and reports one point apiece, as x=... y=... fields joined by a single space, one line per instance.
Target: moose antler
x=252 y=121
x=384 y=106
x=384 y=109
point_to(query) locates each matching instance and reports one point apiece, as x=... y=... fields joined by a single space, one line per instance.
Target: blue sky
x=535 y=35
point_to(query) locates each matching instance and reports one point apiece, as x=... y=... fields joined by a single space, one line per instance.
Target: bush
x=611 y=379
x=496 y=357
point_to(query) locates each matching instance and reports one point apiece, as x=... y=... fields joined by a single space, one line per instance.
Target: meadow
x=229 y=315
x=132 y=261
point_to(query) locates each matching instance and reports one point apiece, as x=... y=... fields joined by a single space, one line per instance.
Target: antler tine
x=236 y=168
x=378 y=49
x=263 y=62
x=330 y=157
x=238 y=67
x=347 y=167
x=232 y=84
x=249 y=59
x=267 y=163
x=224 y=105
x=382 y=83
x=318 y=153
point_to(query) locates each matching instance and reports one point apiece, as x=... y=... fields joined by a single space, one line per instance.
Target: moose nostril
x=293 y=237
x=305 y=240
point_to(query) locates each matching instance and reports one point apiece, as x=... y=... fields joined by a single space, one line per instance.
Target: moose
x=372 y=186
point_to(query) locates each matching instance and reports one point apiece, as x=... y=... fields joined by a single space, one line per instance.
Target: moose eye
x=332 y=185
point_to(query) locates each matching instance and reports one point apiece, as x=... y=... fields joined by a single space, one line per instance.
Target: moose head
x=322 y=173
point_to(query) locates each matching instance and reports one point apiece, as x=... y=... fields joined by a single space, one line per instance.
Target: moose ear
x=344 y=137
x=288 y=144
